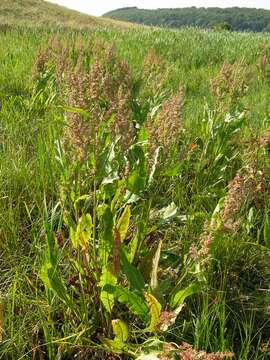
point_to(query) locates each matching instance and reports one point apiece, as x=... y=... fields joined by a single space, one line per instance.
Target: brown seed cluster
x=263 y=60
x=41 y=61
x=164 y=130
x=231 y=83
x=202 y=255
x=45 y=55
x=155 y=73
x=242 y=187
x=187 y=352
x=167 y=318
x=264 y=140
x=98 y=87
x=152 y=61
x=104 y=92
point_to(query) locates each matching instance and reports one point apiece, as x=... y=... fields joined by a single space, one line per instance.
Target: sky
x=99 y=7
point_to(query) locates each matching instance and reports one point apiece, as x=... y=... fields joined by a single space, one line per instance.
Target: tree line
x=237 y=19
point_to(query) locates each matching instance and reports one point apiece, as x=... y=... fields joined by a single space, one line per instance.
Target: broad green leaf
x=134 y=302
x=120 y=330
x=107 y=278
x=106 y=232
x=123 y=223
x=53 y=282
x=180 y=296
x=115 y=346
x=155 y=311
x=133 y=275
x=136 y=182
x=137 y=179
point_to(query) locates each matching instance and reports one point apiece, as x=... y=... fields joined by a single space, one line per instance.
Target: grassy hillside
x=134 y=194
x=43 y=13
x=238 y=19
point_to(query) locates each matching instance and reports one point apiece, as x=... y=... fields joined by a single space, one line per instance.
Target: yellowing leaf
x=81 y=236
x=155 y=311
x=120 y=330
x=123 y=223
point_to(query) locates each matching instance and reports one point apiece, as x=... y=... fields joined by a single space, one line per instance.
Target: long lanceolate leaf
x=106 y=233
x=52 y=281
x=138 y=177
x=49 y=273
x=52 y=250
x=107 y=278
x=179 y=296
x=154 y=273
x=133 y=275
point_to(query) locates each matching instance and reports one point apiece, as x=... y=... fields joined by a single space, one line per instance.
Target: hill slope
x=43 y=13
x=239 y=19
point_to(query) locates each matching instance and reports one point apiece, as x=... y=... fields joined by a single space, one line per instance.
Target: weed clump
x=143 y=206
x=244 y=186
x=104 y=92
x=164 y=129
x=230 y=84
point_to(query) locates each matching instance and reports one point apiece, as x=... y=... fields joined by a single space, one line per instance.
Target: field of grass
x=134 y=194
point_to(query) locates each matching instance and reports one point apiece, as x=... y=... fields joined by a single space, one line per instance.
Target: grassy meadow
x=42 y=13
x=134 y=194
